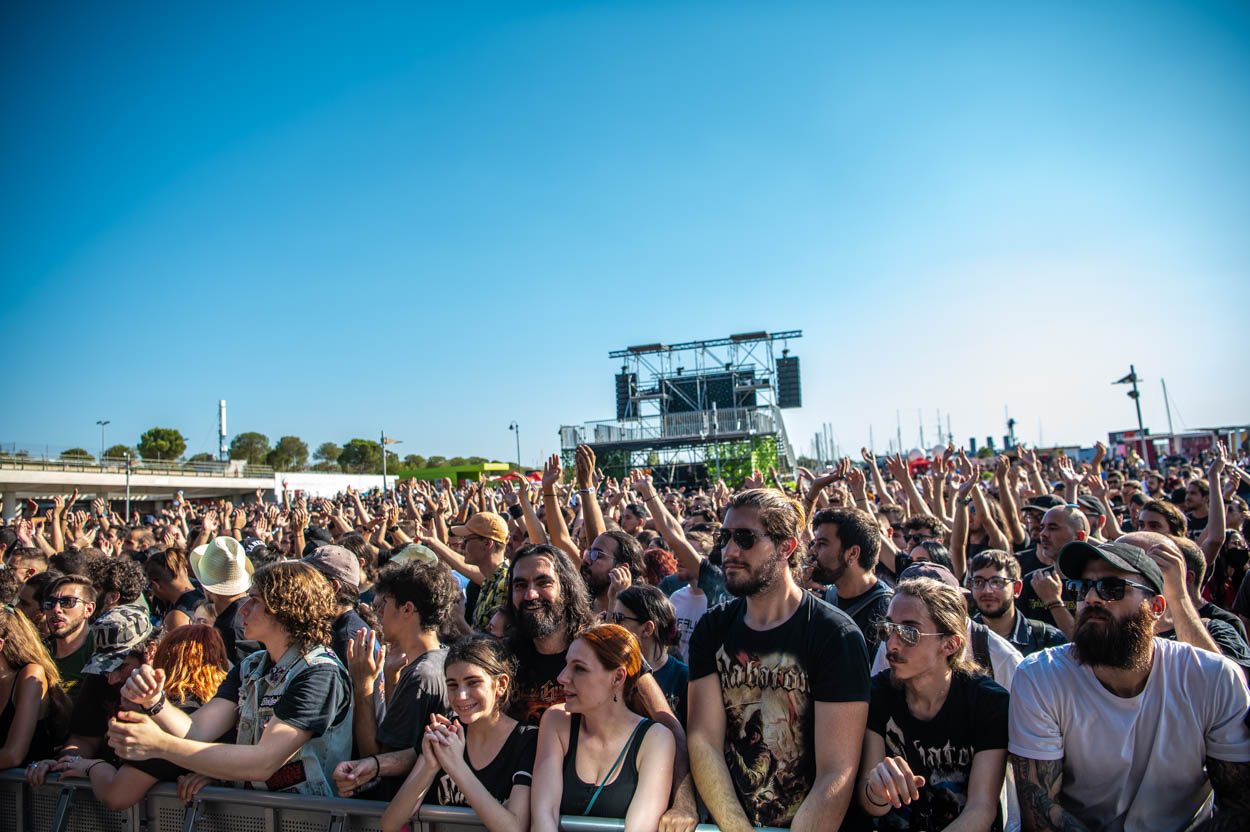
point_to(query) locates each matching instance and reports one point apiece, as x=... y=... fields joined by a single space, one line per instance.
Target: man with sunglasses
x=1121 y=729
x=778 y=683
x=68 y=604
x=995 y=583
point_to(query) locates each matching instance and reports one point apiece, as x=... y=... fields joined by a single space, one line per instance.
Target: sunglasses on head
x=67 y=602
x=906 y=633
x=1108 y=589
x=744 y=539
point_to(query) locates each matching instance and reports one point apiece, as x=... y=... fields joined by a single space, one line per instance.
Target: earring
x=614 y=697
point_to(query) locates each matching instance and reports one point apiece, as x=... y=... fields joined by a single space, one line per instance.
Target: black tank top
x=42 y=745
x=614 y=800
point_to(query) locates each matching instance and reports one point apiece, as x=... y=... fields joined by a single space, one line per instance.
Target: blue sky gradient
x=436 y=219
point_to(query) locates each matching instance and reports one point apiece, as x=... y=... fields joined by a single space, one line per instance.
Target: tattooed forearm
x=1231 y=783
x=1037 y=786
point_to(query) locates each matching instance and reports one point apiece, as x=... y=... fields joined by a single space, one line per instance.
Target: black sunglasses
x=67 y=602
x=1108 y=589
x=744 y=539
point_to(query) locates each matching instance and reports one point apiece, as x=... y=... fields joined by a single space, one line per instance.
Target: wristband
x=377 y=766
x=1054 y=604
x=868 y=797
x=516 y=512
x=87 y=773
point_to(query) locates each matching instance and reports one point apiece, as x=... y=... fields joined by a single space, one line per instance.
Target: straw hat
x=222 y=567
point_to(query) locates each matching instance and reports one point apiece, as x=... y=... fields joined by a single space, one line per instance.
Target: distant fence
x=109 y=465
x=69 y=806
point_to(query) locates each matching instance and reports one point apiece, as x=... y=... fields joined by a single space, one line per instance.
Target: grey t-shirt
x=420 y=691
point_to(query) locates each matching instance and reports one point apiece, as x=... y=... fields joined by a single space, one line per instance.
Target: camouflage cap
x=116 y=633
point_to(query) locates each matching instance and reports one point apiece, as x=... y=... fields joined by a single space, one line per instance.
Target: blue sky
x=436 y=219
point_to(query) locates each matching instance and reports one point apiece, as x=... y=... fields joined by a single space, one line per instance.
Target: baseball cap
x=337 y=562
x=484 y=524
x=1043 y=503
x=116 y=633
x=1091 y=504
x=1075 y=555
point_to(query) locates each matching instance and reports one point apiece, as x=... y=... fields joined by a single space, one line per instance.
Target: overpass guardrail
x=67 y=805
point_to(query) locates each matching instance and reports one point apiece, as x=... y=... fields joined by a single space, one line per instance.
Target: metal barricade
x=69 y=806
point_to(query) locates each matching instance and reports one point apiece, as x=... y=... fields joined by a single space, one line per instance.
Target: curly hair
x=194 y=660
x=659 y=564
x=121 y=575
x=300 y=598
x=429 y=587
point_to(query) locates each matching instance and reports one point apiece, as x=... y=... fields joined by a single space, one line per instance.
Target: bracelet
x=585 y=491
x=966 y=501
x=377 y=765
x=868 y=797
x=87 y=773
x=1054 y=604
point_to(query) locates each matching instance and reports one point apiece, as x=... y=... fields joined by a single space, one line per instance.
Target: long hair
x=574 y=605
x=193 y=657
x=615 y=647
x=781 y=516
x=300 y=598
x=946 y=607
x=22 y=646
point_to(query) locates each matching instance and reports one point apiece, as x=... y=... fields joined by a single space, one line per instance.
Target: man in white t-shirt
x=689 y=603
x=1113 y=731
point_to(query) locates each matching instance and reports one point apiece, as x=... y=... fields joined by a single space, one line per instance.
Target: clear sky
x=437 y=219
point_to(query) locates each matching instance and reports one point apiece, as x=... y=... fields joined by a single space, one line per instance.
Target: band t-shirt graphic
x=536 y=688
x=973 y=718
x=770 y=681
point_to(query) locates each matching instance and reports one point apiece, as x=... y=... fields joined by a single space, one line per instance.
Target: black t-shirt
x=866 y=610
x=342 y=630
x=315 y=698
x=230 y=626
x=1196 y=525
x=1031 y=606
x=770 y=681
x=97 y=703
x=1028 y=560
x=512 y=766
x=973 y=718
x=1210 y=610
x=188 y=601
x=536 y=688
x=420 y=691
x=1226 y=638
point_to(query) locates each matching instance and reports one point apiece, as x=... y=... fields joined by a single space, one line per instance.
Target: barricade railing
x=68 y=805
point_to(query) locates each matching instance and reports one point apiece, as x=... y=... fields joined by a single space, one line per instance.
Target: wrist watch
x=157 y=706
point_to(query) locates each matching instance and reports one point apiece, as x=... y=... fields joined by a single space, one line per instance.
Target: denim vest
x=259 y=690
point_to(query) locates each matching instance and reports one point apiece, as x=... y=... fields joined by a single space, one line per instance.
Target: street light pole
x=386 y=442
x=102 y=423
x=127 y=489
x=513 y=426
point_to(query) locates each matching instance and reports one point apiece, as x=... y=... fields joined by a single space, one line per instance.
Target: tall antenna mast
x=221 y=430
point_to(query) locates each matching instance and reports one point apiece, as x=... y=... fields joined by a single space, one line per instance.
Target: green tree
x=119 y=452
x=414 y=461
x=76 y=453
x=161 y=443
x=476 y=460
x=984 y=452
x=436 y=462
x=290 y=454
x=327 y=466
x=201 y=457
x=361 y=456
x=250 y=446
x=327 y=452
x=457 y=460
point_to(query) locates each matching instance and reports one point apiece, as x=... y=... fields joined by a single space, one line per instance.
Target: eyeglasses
x=67 y=602
x=619 y=617
x=593 y=555
x=744 y=539
x=1108 y=589
x=906 y=633
x=918 y=538
x=996 y=584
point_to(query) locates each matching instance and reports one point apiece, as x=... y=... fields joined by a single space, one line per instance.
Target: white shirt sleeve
x=1227 y=737
x=1033 y=726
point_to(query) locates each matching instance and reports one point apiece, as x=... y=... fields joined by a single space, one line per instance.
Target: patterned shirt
x=493 y=596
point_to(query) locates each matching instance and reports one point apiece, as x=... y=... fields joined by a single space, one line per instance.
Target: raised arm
x=592 y=514
x=533 y=526
x=553 y=513
x=959 y=532
x=878 y=484
x=687 y=556
x=994 y=535
x=1111 y=524
x=1217 y=521
x=898 y=468
x=1071 y=479
x=1007 y=500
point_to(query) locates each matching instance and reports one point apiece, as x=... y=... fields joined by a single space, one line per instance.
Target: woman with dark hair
x=596 y=757
x=935 y=752
x=482 y=759
x=290 y=703
x=647 y=613
x=930 y=551
x=169 y=579
x=35 y=714
x=193 y=660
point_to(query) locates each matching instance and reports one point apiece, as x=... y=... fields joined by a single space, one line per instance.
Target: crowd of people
x=1017 y=642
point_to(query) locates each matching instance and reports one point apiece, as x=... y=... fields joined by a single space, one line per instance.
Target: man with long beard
x=1120 y=729
x=548 y=607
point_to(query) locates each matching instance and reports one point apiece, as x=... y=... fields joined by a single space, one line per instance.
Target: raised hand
x=641 y=482
x=1219 y=459
x=552 y=473
x=1067 y=472
x=1095 y=485
x=1002 y=465
x=869 y=457
x=584 y=459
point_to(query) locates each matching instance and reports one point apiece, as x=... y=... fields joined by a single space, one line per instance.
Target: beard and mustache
x=1101 y=639
x=756 y=580
x=540 y=620
x=596 y=586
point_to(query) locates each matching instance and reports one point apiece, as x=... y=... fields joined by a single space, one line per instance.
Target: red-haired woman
x=597 y=757
x=194 y=660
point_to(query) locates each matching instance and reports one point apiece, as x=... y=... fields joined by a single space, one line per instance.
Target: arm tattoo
x=1231 y=783
x=1037 y=786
